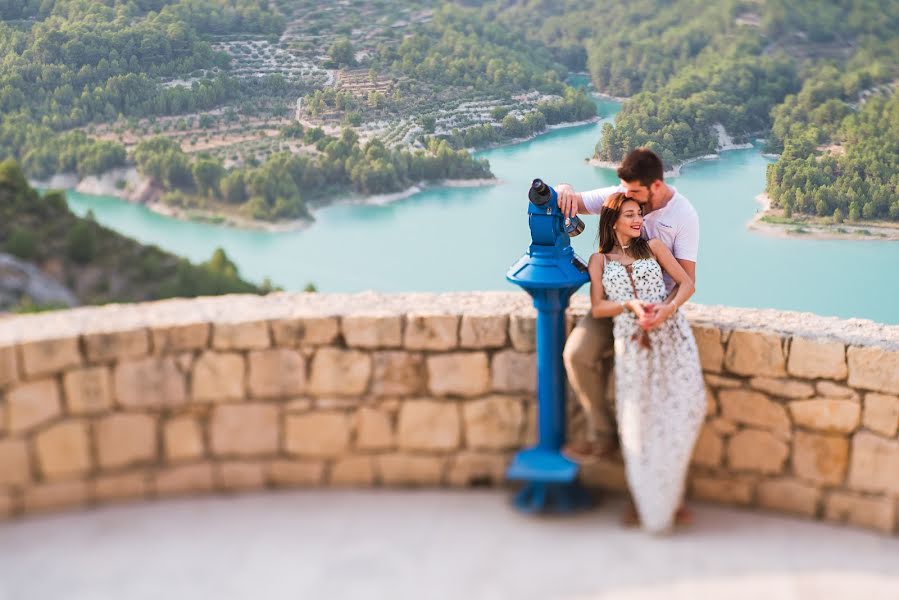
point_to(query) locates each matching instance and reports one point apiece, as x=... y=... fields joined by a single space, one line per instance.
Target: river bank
x=725 y=143
x=772 y=222
x=128 y=185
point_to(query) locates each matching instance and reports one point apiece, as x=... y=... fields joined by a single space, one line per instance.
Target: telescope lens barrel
x=540 y=193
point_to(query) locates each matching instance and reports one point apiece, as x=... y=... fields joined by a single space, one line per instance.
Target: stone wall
x=242 y=392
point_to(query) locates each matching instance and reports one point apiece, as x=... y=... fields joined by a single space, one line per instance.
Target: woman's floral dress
x=659 y=394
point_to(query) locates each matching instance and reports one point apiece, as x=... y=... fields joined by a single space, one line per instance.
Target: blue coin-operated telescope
x=550 y=272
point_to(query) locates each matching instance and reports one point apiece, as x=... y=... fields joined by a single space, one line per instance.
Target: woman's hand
x=659 y=314
x=637 y=307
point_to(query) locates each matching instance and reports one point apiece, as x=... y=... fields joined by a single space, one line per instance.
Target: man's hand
x=658 y=316
x=568 y=203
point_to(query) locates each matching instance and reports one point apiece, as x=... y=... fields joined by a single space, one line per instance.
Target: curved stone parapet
x=233 y=393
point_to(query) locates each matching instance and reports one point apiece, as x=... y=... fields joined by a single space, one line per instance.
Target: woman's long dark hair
x=608 y=216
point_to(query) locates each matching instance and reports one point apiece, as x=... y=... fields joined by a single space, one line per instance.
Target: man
x=668 y=216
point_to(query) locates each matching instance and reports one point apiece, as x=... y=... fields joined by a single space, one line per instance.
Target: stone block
x=711 y=350
x=244 y=430
x=605 y=474
x=88 y=391
x=513 y=371
x=286 y=473
x=493 y=423
x=782 y=388
x=9 y=365
x=813 y=359
x=523 y=332
x=874 y=369
x=755 y=450
x=126 y=439
x=53 y=496
x=754 y=408
x=353 y=471
x=373 y=331
x=241 y=476
x=322 y=434
x=834 y=390
x=820 y=458
x=483 y=331
x=723 y=426
x=469 y=469
x=374 y=429
x=397 y=374
x=49 y=356
x=183 y=439
x=276 y=373
x=836 y=416
x=458 y=374
x=721 y=381
x=14 y=468
x=789 y=495
x=63 y=450
x=250 y=335
x=125 y=486
x=725 y=490
x=753 y=353
x=875 y=464
x=429 y=425
x=305 y=331
x=154 y=382
x=218 y=377
x=31 y=404
x=874 y=513
x=184 y=480
x=711 y=404
x=709 y=448
x=881 y=414
x=340 y=372
x=181 y=338
x=116 y=345
x=299 y=405
x=410 y=469
x=432 y=332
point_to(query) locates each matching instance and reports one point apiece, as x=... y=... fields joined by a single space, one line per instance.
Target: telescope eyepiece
x=540 y=193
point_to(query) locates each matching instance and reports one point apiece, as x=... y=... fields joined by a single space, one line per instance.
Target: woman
x=659 y=390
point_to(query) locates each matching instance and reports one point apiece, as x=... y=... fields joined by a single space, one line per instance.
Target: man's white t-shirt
x=676 y=225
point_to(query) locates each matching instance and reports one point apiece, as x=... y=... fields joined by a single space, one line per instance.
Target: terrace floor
x=421 y=545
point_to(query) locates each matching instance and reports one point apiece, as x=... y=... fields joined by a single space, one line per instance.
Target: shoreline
x=674 y=171
x=860 y=231
x=141 y=190
x=549 y=128
x=385 y=199
x=725 y=144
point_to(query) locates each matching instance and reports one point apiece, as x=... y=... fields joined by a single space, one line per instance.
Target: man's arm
x=690 y=267
x=586 y=203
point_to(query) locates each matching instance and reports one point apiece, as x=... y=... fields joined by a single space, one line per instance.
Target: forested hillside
x=97 y=264
x=800 y=74
x=203 y=96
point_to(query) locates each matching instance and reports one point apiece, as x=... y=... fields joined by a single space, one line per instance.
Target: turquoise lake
x=453 y=239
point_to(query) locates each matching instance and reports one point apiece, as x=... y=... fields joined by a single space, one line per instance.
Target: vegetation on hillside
x=81 y=77
x=800 y=73
x=96 y=263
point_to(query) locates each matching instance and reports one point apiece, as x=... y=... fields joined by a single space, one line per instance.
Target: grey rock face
x=19 y=279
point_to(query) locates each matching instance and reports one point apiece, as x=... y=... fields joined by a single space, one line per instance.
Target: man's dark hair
x=641 y=165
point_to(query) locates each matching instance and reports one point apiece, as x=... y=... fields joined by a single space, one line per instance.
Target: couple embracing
x=644 y=271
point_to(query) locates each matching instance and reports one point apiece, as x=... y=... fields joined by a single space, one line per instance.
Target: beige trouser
x=588 y=356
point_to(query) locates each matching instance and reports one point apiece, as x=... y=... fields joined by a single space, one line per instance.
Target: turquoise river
x=458 y=238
